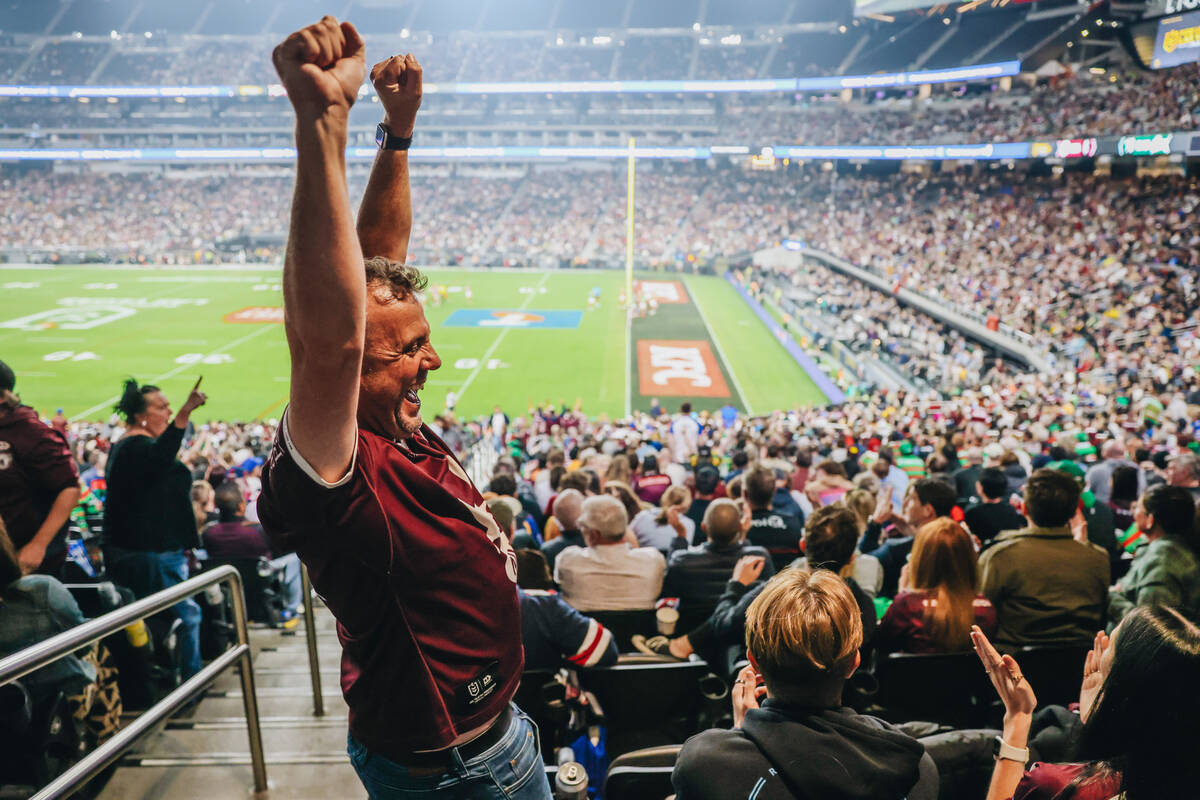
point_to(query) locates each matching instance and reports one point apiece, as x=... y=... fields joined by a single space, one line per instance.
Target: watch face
x=380 y=136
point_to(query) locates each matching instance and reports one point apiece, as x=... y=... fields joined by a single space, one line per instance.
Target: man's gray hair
x=567 y=508
x=605 y=515
x=392 y=281
x=1189 y=461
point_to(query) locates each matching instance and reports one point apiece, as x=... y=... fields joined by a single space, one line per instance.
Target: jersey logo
x=484 y=517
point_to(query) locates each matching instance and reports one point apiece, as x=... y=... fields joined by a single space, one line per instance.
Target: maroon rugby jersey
x=421 y=581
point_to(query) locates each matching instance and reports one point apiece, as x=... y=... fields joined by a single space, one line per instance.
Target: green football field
x=73 y=333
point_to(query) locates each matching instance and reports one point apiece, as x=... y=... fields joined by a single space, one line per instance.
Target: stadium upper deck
x=124 y=42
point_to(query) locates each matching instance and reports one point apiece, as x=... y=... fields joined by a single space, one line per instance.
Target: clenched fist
x=397 y=80
x=321 y=66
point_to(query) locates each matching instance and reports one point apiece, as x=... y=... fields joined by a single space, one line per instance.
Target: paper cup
x=667 y=618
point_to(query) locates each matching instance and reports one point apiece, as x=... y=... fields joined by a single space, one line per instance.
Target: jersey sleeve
x=301 y=512
x=582 y=640
x=50 y=465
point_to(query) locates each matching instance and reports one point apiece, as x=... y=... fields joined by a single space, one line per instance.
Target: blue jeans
x=510 y=770
x=290 y=566
x=145 y=573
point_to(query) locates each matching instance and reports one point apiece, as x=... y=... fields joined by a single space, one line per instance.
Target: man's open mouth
x=412 y=397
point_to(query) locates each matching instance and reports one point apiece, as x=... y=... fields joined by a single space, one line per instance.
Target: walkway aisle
x=205 y=756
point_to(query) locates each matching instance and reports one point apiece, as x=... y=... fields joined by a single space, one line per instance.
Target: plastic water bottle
x=571 y=782
x=137 y=634
x=78 y=553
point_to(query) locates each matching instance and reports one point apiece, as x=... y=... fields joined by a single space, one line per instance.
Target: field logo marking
x=256 y=314
x=513 y=318
x=133 y=302
x=63 y=355
x=680 y=369
x=661 y=291
x=71 y=319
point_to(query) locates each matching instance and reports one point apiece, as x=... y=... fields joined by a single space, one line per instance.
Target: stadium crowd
x=1099 y=271
x=800 y=554
x=1066 y=107
x=1029 y=518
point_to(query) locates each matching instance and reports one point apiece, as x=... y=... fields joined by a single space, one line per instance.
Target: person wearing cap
x=39 y=484
x=705 y=489
x=650 y=484
x=910 y=462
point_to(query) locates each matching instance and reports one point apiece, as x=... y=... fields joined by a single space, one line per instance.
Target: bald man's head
x=1113 y=449
x=567 y=508
x=722 y=521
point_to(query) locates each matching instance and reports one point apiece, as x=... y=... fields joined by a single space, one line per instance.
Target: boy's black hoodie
x=805 y=754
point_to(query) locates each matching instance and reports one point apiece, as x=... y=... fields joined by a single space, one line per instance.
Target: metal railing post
x=34 y=657
x=258 y=761
x=310 y=634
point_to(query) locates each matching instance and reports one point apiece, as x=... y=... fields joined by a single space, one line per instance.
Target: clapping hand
x=746 y=694
x=883 y=507
x=1093 y=675
x=748 y=569
x=1015 y=692
x=397 y=81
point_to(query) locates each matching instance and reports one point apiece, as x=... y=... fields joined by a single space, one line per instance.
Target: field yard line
x=499 y=338
x=720 y=351
x=629 y=362
x=182 y=367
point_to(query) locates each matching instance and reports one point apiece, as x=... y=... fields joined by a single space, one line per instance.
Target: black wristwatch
x=386 y=140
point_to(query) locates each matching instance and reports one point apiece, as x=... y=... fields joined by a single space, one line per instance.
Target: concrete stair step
x=325 y=781
x=205 y=739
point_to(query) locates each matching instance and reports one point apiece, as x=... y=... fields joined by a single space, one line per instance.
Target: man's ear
x=1150 y=522
x=855 y=664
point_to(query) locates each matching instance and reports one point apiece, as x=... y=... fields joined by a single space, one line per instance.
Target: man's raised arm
x=385 y=216
x=324 y=285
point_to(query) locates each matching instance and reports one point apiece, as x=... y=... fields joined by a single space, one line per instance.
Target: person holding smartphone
x=149 y=522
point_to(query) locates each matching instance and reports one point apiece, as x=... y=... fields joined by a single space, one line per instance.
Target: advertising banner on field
x=1178 y=41
x=1159 y=8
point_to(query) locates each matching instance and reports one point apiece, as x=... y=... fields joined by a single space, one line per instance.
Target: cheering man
x=398 y=540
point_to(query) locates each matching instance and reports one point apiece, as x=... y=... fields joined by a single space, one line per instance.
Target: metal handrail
x=39 y=655
x=310 y=634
